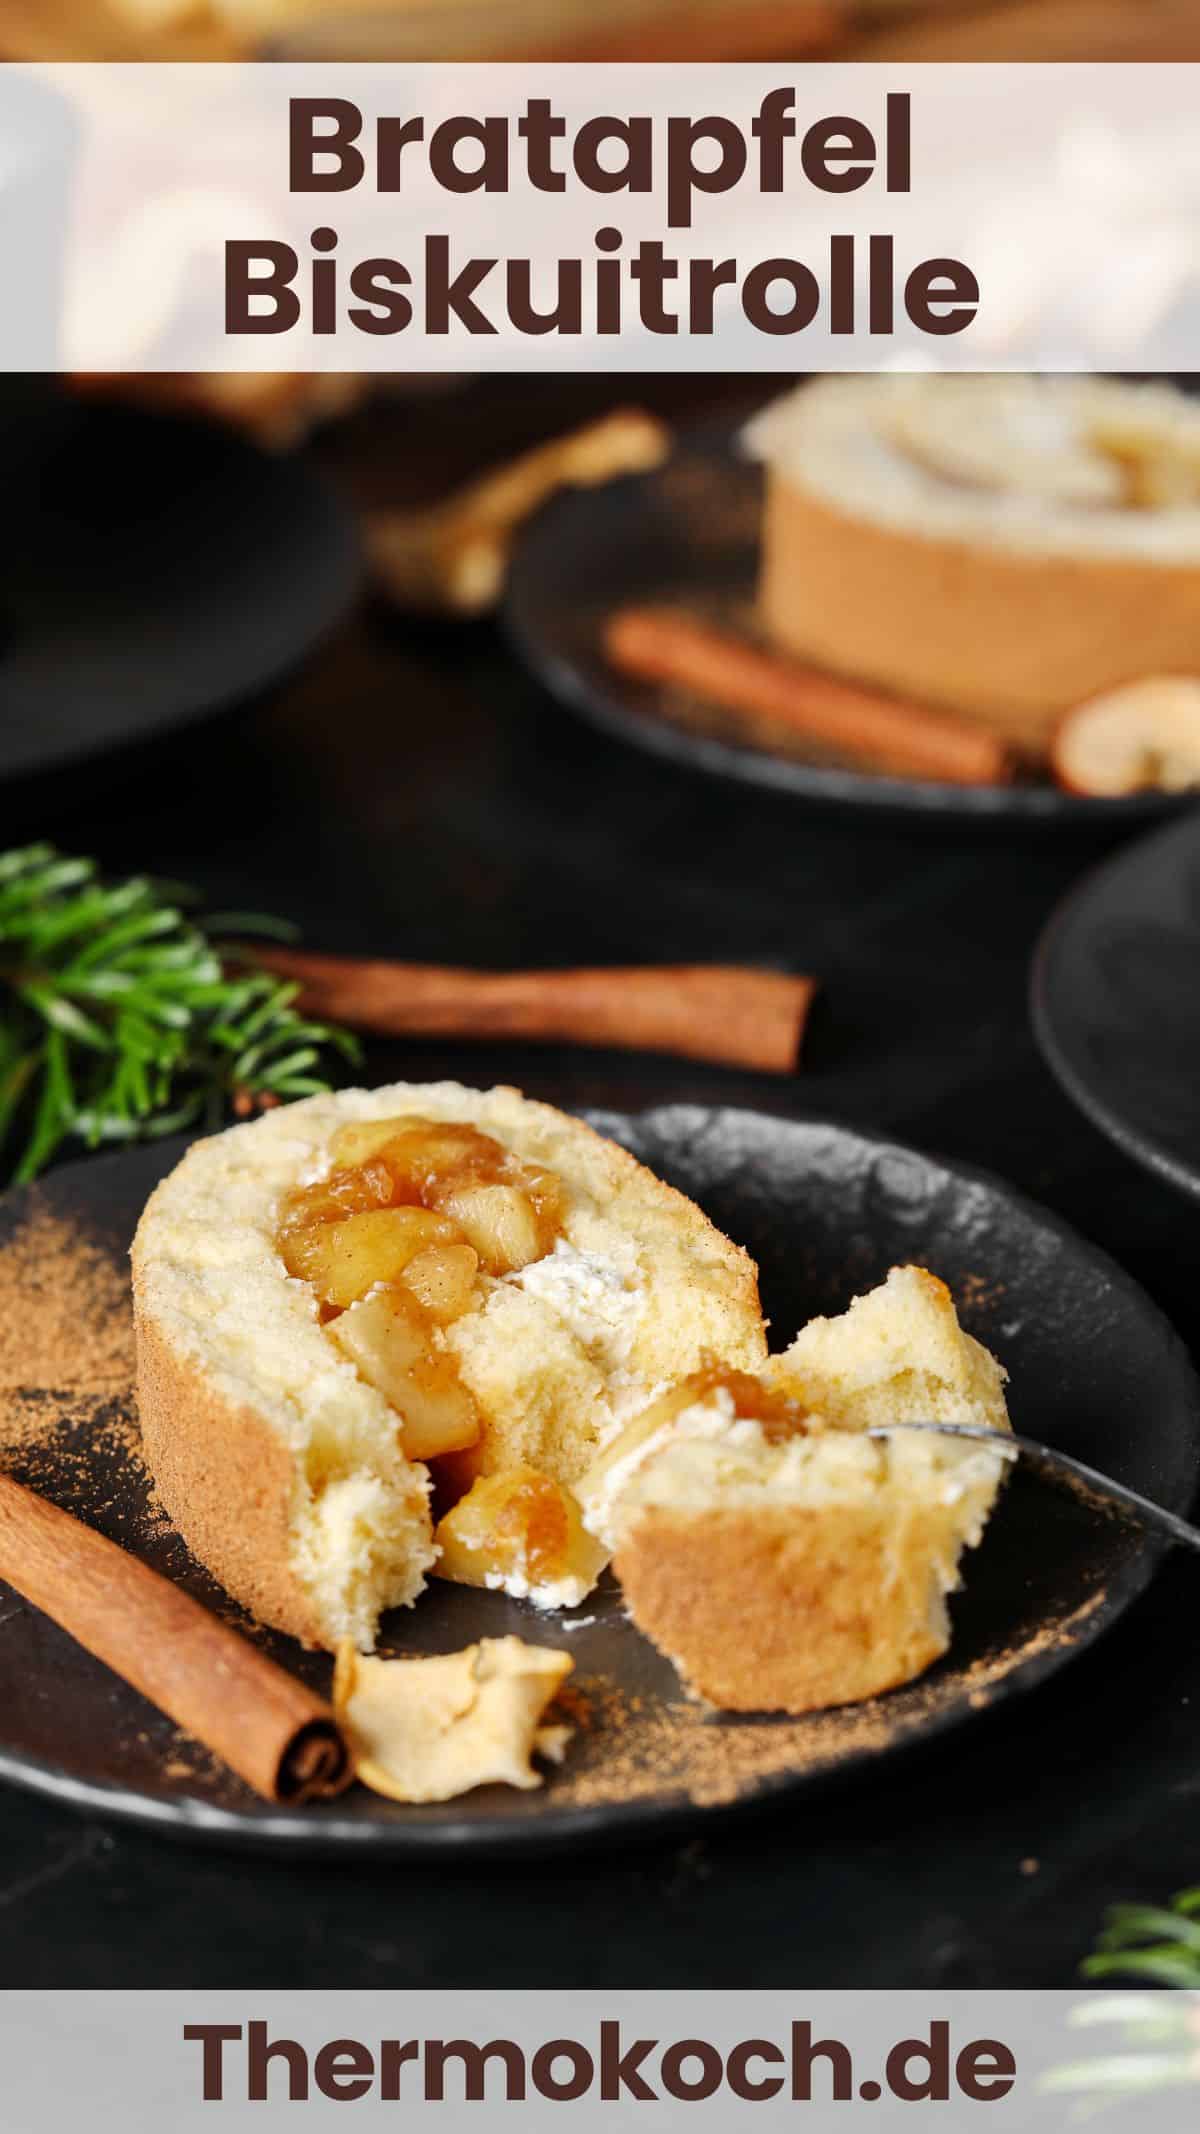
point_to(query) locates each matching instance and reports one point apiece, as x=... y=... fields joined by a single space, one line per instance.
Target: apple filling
x=748 y=1398
x=520 y=1530
x=394 y=1242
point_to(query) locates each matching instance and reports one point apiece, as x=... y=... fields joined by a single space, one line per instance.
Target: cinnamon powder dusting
x=635 y=1750
x=66 y=1335
x=68 y=1414
x=632 y=1748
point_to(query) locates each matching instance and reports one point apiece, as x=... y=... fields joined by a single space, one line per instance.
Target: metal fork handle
x=1059 y=1466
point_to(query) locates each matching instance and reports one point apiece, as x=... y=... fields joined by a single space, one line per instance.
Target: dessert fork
x=1085 y=1483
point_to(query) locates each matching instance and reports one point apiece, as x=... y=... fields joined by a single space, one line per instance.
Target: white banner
x=521 y=218
x=957 y=2061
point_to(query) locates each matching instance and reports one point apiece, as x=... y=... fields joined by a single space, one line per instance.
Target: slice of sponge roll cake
x=350 y=1292
x=1004 y=546
x=782 y=1559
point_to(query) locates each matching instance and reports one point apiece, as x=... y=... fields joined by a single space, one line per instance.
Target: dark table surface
x=414 y=793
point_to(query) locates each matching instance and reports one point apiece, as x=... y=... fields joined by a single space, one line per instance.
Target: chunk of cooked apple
x=392 y=1242
x=343 y=1193
x=499 y=1222
x=518 y=1525
x=343 y=1260
x=417 y=1151
x=442 y=1279
x=390 y=1341
x=511 y=1211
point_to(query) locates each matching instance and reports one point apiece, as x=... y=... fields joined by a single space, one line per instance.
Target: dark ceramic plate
x=1116 y=1000
x=151 y=570
x=688 y=533
x=1095 y=1369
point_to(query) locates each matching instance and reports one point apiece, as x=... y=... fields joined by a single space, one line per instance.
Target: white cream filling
x=552 y=1593
x=600 y=1299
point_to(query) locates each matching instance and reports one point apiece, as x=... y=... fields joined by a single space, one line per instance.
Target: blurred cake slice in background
x=1003 y=546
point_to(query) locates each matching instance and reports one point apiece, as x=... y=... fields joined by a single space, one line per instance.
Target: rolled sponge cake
x=1006 y=547
x=282 y=1466
x=789 y=1568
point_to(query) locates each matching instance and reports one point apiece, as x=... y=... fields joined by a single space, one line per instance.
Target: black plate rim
x=346 y=560
x=603 y=706
x=1141 y=1147
x=320 y=1832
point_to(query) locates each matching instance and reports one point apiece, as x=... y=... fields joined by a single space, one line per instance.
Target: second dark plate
x=154 y=569
x=1116 y=1000
x=1094 y=1369
x=688 y=534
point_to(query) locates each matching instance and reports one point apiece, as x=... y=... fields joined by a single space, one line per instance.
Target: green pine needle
x=118 y=1020
x=1160 y=1944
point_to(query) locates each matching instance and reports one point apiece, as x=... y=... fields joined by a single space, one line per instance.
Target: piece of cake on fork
x=779 y=1556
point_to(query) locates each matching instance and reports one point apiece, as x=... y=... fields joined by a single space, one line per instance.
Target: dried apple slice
x=1146 y=734
x=430 y=1729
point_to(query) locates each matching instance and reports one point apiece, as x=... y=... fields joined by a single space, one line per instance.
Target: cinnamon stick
x=666 y=645
x=724 y=1013
x=281 y=1737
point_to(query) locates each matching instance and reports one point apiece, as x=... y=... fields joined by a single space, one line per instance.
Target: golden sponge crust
x=208 y=1454
x=1006 y=638
x=791 y=1610
x=1006 y=546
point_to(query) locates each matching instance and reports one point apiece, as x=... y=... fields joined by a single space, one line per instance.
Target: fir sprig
x=120 y=1019
x=1158 y=1943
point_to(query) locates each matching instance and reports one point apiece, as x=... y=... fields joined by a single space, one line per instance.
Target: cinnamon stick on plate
x=281 y=1737
x=910 y=740
x=734 y=1016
